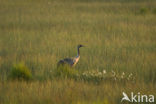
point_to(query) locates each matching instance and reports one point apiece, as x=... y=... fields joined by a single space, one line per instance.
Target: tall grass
x=41 y=32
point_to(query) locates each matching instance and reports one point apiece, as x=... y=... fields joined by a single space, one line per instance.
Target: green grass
x=41 y=32
x=20 y=72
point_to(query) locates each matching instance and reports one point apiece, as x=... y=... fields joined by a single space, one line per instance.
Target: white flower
x=104 y=71
x=113 y=73
x=83 y=73
x=123 y=73
x=99 y=73
x=122 y=76
x=130 y=74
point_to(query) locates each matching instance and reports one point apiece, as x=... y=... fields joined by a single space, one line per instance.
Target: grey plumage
x=71 y=61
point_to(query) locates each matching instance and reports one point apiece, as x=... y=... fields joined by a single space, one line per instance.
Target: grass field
x=119 y=35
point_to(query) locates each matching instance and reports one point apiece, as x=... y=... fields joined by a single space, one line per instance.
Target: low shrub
x=20 y=72
x=154 y=11
x=144 y=11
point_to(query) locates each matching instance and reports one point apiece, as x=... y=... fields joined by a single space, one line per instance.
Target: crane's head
x=79 y=46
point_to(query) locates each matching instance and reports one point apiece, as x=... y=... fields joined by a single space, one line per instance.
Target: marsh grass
x=65 y=71
x=41 y=32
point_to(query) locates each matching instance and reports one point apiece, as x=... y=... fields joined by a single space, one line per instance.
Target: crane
x=71 y=61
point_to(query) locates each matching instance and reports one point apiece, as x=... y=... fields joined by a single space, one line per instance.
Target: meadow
x=119 y=35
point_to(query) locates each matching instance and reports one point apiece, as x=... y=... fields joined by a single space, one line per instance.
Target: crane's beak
x=83 y=46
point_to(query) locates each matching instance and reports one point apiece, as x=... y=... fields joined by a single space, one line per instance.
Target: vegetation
x=119 y=36
x=20 y=72
x=143 y=11
x=65 y=71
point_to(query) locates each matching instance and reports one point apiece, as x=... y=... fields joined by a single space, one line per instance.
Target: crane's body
x=71 y=61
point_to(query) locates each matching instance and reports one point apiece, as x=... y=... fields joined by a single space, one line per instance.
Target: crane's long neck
x=78 y=51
